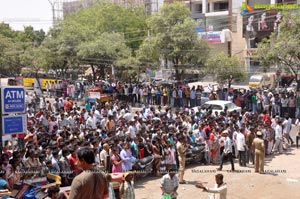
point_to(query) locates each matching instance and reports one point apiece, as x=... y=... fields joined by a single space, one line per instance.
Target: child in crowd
x=53 y=192
x=3 y=182
x=110 y=187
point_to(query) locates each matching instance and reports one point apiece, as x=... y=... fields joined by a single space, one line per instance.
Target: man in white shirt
x=103 y=156
x=287 y=125
x=241 y=146
x=220 y=189
x=47 y=88
x=71 y=121
x=227 y=151
x=132 y=129
x=91 y=121
x=278 y=138
x=43 y=121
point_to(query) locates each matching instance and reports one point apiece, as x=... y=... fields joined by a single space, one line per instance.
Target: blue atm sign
x=13 y=100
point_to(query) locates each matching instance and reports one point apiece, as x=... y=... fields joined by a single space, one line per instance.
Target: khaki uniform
x=181 y=160
x=259 y=146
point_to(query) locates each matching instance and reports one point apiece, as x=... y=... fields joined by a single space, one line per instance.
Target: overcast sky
x=20 y=13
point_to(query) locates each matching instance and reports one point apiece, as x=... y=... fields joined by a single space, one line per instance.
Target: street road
x=282 y=181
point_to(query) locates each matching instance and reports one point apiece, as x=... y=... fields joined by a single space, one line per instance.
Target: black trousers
x=297 y=138
x=242 y=158
x=229 y=156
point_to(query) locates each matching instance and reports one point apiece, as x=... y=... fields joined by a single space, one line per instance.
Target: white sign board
x=94 y=95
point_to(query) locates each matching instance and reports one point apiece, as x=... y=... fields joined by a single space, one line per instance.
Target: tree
x=173 y=37
x=226 y=68
x=9 y=50
x=14 y=43
x=282 y=47
x=106 y=50
x=58 y=55
x=33 y=58
x=103 y=35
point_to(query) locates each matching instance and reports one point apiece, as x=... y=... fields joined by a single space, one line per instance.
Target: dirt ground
x=282 y=181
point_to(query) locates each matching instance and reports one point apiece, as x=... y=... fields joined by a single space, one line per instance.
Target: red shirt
x=267 y=119
x=72 y=161
x=141 y=152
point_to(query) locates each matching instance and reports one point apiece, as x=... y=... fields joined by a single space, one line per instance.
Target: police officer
x=182 y=147
x=259 y=147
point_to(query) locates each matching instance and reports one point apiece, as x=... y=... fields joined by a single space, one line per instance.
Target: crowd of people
x=120 y=136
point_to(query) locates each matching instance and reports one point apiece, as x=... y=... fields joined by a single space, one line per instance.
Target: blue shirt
x=3 y=184
x=88 y=107
x=134 y=149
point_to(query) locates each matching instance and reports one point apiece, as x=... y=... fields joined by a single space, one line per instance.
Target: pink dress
x=116 y=168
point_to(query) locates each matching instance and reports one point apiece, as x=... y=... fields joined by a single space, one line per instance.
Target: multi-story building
x=151 y=6
x=259 y=24
x=70 y=6
x=216 y=17
x=218 y=24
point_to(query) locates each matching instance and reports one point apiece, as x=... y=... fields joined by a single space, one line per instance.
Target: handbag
x=167 y=196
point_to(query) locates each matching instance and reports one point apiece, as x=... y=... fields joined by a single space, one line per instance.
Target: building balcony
x=216 y=7
x=218 y=13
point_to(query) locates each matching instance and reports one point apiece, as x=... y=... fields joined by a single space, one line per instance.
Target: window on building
x=198 y=8
x=221 y=6
x=287 y=1
x=253 y=66
x=217 y=22
x=252 y=2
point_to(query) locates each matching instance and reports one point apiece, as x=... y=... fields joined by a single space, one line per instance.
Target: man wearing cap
x=227 y=151
x=182 y=147
x=127 y=186
x=259 y=147
x=249 y=139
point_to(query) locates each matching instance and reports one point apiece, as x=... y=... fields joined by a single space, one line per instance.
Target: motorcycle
x=144 y=167
x=196 y=154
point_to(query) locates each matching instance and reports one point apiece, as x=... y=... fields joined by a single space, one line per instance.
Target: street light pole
x=230 y=26
x=53 y=11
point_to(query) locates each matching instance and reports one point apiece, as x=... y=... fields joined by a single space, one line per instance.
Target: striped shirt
x=128 y=190
x=168 y=183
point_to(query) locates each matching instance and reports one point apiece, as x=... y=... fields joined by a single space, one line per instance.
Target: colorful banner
x=260 y=24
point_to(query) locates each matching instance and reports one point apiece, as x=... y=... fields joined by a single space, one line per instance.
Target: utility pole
x=230 y=25
x=53 y=11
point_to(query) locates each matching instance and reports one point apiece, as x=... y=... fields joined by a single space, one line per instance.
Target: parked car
x=219 y=106
x=204 y=97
